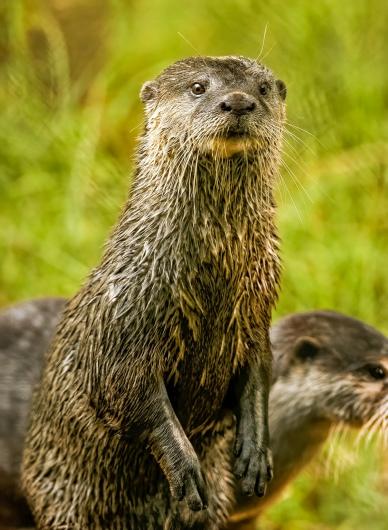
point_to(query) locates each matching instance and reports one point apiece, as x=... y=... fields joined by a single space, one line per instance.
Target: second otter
x=330 y=369
x=174 y=321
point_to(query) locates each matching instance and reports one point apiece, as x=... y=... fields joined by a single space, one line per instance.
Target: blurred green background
x=70 y=73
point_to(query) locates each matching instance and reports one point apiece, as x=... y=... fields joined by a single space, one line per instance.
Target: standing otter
x=173 y=323
x=349 y=357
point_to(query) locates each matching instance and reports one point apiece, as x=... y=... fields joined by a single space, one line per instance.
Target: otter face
x=343 y=364
x=223 y=105
x=354 y=394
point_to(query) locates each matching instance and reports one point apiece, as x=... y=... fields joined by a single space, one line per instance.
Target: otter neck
x=297 y=433
x=183 y=184
x=187 y=209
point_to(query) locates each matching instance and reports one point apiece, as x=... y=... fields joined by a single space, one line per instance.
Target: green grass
x=68 y=128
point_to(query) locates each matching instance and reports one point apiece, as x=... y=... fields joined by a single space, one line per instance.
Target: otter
x=26 y=330
x=344 y=353
x=173 y=324
x=330 y=369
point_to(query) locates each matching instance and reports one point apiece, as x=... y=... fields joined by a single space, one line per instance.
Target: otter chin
x=228 y=146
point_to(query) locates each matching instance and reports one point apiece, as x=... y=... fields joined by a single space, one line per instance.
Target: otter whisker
x=332 y=464
x=296 y=180
x=376 y=425
x=258 y=58
x=287 y=122
x=268 y=52
x=298 y=140
x=284 y=182
x=140 y=124
x=189 y=43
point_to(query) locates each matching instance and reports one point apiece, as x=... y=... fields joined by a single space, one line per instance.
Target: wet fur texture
x=323 y=354
x=128 y=417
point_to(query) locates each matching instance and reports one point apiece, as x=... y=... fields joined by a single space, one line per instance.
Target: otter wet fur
x=329 y=370
x=128 y=419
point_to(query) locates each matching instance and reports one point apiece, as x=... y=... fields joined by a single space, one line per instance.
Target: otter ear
x=282 y=89
x=306 y=348
x=148 y=91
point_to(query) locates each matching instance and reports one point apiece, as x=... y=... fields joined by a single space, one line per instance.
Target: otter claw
x=270 y=470
x=237 y=447
x=260 y=491
x=195 y=494
x=189 y=485
x=254 y=467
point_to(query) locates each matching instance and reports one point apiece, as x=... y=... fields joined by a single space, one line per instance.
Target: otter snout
x=238 y=103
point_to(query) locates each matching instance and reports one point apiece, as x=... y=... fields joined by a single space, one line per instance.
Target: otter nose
x=238 y=103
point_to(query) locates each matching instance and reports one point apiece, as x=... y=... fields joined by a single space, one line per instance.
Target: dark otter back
x=25 y=333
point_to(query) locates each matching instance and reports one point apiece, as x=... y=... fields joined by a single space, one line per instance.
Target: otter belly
x=199 y=382
x=199 y=374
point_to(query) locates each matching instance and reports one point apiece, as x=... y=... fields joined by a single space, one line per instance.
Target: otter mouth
x=236 y=134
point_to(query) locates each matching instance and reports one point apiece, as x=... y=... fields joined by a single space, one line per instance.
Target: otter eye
x=264 y=88
x=376 y=371
x=197 y=89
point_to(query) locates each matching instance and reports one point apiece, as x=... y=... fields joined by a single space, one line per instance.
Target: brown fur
x=339 y=348
x=128 y=417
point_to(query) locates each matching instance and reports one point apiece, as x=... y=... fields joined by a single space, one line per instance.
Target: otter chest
x=209 y=338
x=203 y=368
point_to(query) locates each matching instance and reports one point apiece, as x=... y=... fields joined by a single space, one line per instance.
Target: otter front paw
x=180 y=464
x=253 y=462
x=186 y=483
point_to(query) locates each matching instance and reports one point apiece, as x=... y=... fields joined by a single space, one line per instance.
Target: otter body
x=128 y=418
x=349 y=357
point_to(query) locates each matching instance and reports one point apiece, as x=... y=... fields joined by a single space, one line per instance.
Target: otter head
x=222 y=106
x=340 y=365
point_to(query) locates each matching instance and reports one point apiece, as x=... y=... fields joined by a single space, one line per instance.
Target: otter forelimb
x=174 y=452
x=253 y=457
